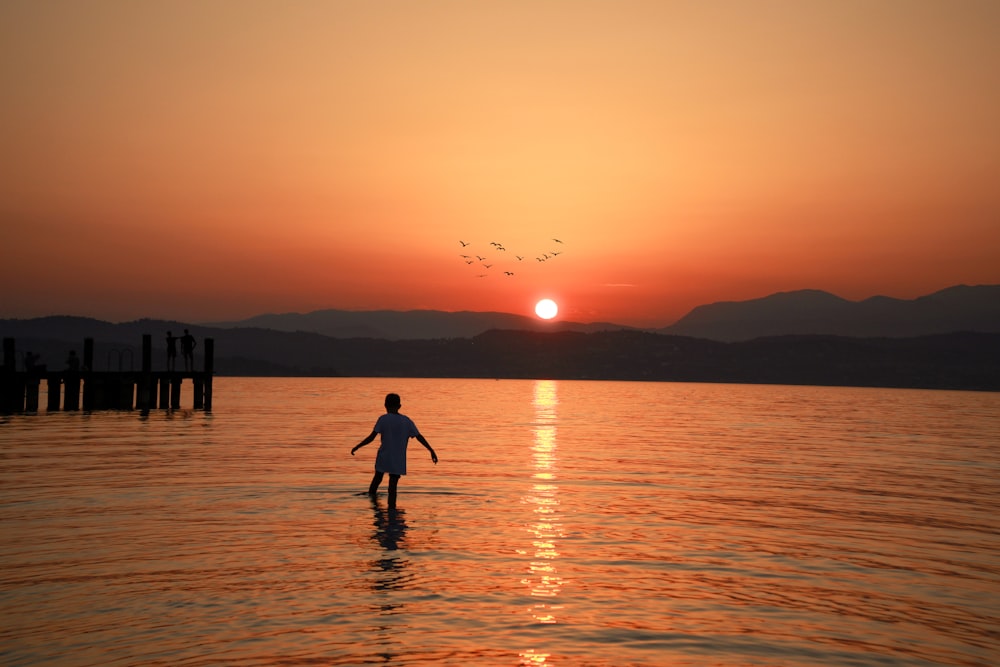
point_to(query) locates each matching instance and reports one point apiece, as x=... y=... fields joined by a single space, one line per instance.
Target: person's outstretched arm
x=423 y=441
x=364 y=442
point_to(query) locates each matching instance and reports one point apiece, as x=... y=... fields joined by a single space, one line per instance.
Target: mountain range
x=814 y=312
x=803 y=312
x=950 y=339
x=404 y=325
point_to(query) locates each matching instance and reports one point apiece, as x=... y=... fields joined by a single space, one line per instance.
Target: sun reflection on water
x=532 y=659
x=543 y=580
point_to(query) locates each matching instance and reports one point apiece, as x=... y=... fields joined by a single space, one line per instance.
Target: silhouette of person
x=187 y=349
x=396 y=431
x=31 y=361
x=72 y=362
x=171 y=351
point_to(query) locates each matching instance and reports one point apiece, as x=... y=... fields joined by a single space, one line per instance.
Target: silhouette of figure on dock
x=72 y=362
x=187 y=349
x=31 y=362
x=171 y=351
x=396 y=431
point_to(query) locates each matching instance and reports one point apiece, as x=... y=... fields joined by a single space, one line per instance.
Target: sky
x=214 y=160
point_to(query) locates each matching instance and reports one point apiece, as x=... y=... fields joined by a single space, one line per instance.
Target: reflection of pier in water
x=544 y=581
x=121 y=389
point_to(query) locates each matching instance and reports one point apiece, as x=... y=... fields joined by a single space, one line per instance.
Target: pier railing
x=73 y=389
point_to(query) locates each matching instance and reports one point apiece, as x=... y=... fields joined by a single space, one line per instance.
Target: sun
x=546 y=309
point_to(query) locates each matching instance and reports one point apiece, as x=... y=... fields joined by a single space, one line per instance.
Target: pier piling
x=164 y=392
x=53 y=391
x=143 y=401
x=9 y=356
x=209 y=372
x=71 y=387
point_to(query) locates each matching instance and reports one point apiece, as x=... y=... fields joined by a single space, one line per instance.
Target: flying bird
x=508 y=273
x=557 y=240
x=519 y=258
x=463 y=243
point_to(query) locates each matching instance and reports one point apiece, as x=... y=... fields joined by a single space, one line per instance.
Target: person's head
x=392 y=402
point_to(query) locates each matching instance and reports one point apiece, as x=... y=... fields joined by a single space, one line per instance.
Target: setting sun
x=546 y=309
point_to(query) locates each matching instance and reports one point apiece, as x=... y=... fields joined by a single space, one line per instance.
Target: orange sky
x=217 y=160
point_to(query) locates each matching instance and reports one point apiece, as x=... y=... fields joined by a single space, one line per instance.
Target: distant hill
x=803 y=312
x=950 y=339
x=813 y=312
x=968 y=361
x=406 y=325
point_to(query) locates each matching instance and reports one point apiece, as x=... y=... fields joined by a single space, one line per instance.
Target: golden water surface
x=567 y=523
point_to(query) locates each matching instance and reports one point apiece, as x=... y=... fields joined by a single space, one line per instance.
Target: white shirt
x=396 y=431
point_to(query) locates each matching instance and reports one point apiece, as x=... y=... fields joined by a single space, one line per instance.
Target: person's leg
x=393 y=482
x=376 y=480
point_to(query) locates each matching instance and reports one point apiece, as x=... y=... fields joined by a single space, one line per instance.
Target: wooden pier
x=86 y=389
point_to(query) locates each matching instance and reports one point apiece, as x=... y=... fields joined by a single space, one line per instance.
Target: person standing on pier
x=171 y=351
x=187 y=349
x=31 y=362
x=396 y=431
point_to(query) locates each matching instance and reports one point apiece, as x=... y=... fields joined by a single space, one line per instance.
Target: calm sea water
x=567 y=523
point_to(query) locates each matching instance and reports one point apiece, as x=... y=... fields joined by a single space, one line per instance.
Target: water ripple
x=568 y=523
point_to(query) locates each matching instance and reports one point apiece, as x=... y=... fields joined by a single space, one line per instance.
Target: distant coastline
x=962 y=360
x=946 y=340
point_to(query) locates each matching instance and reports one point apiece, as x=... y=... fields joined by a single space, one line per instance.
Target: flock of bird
x=490 y=260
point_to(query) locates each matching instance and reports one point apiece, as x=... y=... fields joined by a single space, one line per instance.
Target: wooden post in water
x=164 y=392
x=9 y=356
x=209 y=371
x=175 y=392
x=142 y=399
x=11 y=389
x=89 y=383
x=72 y=398
x=152 y=392
x=124 y=392
x=93 y=393
x=31 y=383
x=54 y=387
